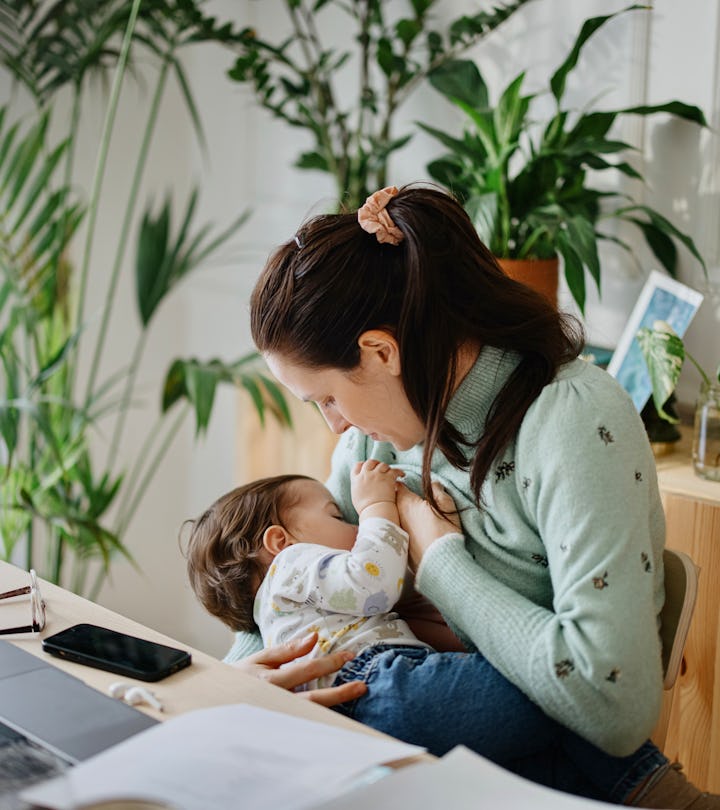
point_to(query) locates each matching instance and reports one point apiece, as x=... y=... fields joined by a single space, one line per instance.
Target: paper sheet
x=225 y=757
x=461 y=780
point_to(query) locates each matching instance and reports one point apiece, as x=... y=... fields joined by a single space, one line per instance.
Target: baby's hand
x=373 y=483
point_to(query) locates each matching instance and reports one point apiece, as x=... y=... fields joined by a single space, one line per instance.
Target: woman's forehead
x=306 y=383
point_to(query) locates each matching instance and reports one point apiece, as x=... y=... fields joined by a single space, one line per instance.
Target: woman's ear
x=380 y=347
x=275 y=539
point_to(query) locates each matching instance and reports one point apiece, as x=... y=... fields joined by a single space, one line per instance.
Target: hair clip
x=374 y=218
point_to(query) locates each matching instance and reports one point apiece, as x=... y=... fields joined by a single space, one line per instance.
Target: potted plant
x=66 y=499
x=665 y=353
x=390 y=47
x=526 y=182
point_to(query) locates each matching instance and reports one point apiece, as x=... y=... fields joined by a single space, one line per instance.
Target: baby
x=277 y=554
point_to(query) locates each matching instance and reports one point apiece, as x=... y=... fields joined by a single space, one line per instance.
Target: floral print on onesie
x=346 y=597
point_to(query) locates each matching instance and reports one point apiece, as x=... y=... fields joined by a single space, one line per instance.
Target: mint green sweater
x=557 y=580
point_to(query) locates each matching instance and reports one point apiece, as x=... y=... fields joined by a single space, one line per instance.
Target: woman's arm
x=588 y=652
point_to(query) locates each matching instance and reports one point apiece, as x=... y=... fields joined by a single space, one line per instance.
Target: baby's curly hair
x=225 y=543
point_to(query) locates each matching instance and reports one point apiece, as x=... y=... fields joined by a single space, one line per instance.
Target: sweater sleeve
x=587 y=485
x=245 y=644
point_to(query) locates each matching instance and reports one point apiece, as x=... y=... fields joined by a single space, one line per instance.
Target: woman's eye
x=327 y=403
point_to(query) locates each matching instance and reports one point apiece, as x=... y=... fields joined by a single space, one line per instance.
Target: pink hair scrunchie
x=373 y=217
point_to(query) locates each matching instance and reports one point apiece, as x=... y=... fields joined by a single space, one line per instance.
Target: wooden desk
x=692 y=510
x=207 y=682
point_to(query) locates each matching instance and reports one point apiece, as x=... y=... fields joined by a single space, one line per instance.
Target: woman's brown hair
x=438 y=290
x=224 y=547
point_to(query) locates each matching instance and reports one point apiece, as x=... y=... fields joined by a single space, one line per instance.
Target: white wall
x=639 y=58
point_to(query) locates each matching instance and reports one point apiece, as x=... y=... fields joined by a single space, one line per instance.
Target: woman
x=417 y=348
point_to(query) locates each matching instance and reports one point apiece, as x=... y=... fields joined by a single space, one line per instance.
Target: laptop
x=50 y=720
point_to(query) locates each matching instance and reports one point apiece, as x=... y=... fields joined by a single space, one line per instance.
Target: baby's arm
x=373 y=485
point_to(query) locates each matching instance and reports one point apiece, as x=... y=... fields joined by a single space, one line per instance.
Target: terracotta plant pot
x=539 y=274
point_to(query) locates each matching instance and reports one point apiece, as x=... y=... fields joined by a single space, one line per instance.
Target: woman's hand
x=422 y=524
x=267 y=664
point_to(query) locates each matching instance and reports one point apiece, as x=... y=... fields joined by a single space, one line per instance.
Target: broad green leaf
x=574 y=270
x=150 y=262
x=281 y=407
x=163 y=260
x=664 y=355
x=582 y=236
x=665 y=226
x=509 y=114
x=592 y=125
x=174 y=385
x=250 y=384
x=590 y=26
x=661 y=245
x=200 y=384
x=483 y=211
x=460 y=80
x=39 y=184
x=677 y=108
x=476 y=152
x=406 y=31
x=312 y=160
x=447 y=172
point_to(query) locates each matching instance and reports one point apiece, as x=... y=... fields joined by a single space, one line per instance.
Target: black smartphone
x=116 y=652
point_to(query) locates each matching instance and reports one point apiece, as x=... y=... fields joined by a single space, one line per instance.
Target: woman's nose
x=336 y=422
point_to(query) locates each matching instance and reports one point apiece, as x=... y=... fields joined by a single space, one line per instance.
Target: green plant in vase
x=528 y=184
x=66 y=500
x=665 y=354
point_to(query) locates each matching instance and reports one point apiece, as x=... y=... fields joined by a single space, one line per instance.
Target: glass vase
x=706 y=436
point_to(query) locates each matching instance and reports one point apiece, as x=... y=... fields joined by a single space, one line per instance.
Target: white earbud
x=133 y=695
x=118 y=689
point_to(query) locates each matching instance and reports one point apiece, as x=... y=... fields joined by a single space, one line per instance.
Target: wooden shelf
x=692 y=512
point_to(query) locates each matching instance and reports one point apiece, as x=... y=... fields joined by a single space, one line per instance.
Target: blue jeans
x=440 y=700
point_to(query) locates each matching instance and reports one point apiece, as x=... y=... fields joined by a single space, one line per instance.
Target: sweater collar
x=473 y=398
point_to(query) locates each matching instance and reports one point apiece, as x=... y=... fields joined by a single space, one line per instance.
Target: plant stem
x=29 y=547
x=67 y=180
x=697 y=365
x=102 y=156
x=127 y=220
x=354 y=179
x=125 y=401
x=323 y=92
x=79 y=575
x=57 y=558
x=130 y=505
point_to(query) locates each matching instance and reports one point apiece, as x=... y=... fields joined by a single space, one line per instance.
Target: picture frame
x=661 y=299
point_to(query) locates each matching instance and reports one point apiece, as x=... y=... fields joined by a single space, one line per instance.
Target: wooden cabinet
x=692 y=510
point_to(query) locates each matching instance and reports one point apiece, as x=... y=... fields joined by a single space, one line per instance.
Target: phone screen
x=116 y=652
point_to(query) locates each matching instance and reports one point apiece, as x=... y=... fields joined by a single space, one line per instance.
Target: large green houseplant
x=388 y=49
x=529 y=184
x=66 y=498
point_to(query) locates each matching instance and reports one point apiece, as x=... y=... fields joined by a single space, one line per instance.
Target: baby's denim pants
x=440 y=700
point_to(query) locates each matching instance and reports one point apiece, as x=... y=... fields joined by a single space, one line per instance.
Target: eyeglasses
x=37 y=607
